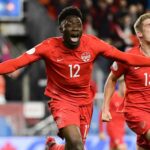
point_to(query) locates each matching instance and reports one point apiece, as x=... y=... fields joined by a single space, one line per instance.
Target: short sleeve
x=118 y=68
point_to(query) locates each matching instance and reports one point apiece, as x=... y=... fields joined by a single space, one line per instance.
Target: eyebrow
x=147 y=23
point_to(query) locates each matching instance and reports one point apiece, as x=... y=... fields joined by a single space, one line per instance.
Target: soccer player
x=117 y=122
x=69 y=63
x=136 y=106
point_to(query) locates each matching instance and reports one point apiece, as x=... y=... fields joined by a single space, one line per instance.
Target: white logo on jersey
x=115 y=66
x=31 y=51
x=59 y=58
x=86 y=56
x=136 y=68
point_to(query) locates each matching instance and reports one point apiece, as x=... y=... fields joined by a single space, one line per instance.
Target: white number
x=74 y=70
x=147 y=82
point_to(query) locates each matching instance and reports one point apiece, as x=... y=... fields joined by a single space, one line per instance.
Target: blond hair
x=139 y=21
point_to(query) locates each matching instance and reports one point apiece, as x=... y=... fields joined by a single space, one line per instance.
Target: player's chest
x=61 y=57
x=139 y=71
x=140 y=75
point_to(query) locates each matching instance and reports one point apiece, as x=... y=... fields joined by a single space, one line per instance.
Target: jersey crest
x=85 y=56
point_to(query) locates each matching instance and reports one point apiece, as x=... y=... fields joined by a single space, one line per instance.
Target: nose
x=75 y=28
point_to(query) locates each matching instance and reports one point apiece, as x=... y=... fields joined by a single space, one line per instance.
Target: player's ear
x=139 y=34
x=61 y=29
x=62 y=26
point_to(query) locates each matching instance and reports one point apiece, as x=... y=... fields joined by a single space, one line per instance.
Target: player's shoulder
x=89 y=39
x=89 y=36
x=52 y=41
x=48 y=45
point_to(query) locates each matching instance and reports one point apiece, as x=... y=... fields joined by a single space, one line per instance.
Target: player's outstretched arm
x=108 y=92
x=128 y=58
x=109 y=51
x=16 y=63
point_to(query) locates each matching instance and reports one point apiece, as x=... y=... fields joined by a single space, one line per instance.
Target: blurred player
x=69 y=62
x=117 y=120
x=137 y=79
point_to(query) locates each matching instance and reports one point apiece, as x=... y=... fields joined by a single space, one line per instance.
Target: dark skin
x=71 y=28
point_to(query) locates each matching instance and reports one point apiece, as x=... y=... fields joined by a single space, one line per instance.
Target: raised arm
x=100 y=47
x=108 y=92
x=127 y=58
x=16 y=63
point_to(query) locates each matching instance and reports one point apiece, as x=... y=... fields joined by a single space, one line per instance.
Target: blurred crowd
x=110 y=20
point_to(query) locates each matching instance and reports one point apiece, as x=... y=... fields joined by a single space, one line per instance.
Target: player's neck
x=145 y=49
x=70 y=46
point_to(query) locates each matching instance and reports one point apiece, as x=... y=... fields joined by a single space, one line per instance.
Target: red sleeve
x=108 y=51
x=21 y=61
x=118 y=68
x=28 y=57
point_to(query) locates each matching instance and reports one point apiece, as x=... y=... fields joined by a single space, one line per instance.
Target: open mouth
x=74 y=39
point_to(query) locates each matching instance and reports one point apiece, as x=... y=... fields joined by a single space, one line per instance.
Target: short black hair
x=69 y=11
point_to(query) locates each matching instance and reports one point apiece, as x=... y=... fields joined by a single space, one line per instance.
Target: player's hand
x=102 y=136
x=106 y=116
x=14 y=74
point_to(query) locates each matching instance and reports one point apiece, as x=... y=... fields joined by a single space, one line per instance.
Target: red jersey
x=137 y=81
x=69 y=70
x=115 y=102
x=118 y=119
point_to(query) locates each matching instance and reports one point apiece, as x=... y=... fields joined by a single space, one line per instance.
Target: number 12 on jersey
x=147 y=81
x=74 y=70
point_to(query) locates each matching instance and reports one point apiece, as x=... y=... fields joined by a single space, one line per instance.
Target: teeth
x=74 y=39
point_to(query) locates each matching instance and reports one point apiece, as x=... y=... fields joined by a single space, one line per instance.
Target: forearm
x=8 y=66
x=108 y=92
x=14 y=64
x=109 y=89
